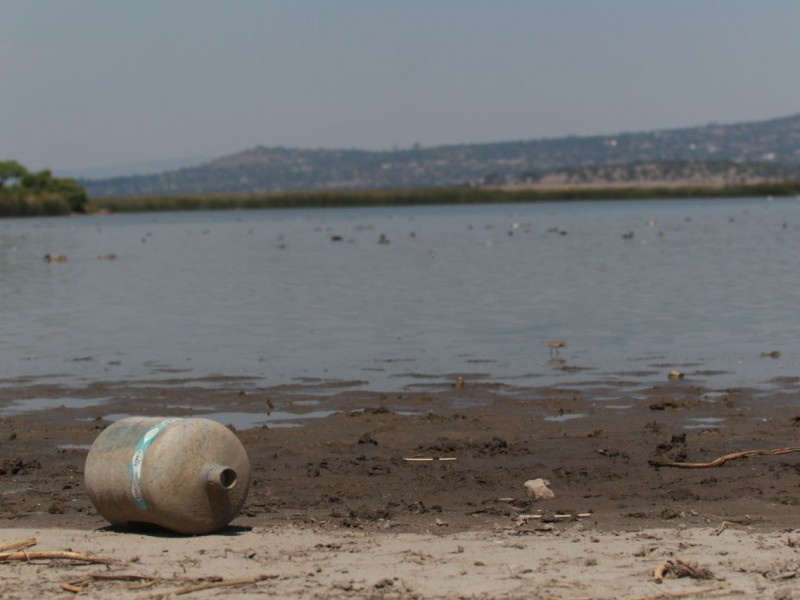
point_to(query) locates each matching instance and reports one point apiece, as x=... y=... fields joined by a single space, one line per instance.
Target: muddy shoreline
x=332 y=455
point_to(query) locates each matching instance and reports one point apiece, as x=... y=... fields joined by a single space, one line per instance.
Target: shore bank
x=439 y=196
x=329 y=465
x=290 y=561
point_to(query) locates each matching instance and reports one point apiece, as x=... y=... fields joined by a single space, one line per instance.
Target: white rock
x=538 y=490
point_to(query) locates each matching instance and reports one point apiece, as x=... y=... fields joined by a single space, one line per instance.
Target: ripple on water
x=19 y=407
x=245 y=420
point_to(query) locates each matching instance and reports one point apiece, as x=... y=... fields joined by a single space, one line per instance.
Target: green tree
x=39 y=181
x=26 y=193
x=73 y=192
x=10 y=170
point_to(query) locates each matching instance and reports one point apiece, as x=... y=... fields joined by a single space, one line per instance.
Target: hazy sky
x=87 y=83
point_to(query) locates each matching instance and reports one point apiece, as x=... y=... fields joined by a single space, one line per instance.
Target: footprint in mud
x=674 y=449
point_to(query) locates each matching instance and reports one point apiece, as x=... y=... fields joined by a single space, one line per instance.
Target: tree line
x=25 y=194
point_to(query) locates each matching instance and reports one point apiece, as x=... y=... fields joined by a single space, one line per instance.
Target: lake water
x=706 y=286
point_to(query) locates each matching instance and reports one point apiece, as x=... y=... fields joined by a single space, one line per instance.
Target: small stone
x=537 y=489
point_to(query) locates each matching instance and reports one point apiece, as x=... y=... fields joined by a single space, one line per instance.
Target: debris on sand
x=717 y=462
x=679 y=568
x=538 y=489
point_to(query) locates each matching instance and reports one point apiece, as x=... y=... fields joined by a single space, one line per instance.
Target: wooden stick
x=722 y=459
x=135 y=577
x=109 y=577
x=18 y=544
x=687 y=594
x=143 y=586
x=421 y=459
x=209 y=585
x=215 y=584
x=722 y=527
x=119 y=577
x=556 y=517
x=50 y=554
x=144 y=581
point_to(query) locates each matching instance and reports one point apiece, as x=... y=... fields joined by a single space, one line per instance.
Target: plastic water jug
x=186 y=475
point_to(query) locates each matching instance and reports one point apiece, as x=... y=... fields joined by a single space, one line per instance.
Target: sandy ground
x=563 y=562
x=335 y=510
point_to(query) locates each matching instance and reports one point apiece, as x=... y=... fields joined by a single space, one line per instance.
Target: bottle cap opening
x=227 y=478
x=221 y=478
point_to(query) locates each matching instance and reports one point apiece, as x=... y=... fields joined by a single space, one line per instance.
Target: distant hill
x=665 y=173
x=763 y=149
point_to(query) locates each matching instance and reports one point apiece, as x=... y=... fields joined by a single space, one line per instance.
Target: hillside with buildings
x=715 y=153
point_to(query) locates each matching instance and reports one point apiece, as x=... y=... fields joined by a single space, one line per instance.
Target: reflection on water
x=472 y=289
x=31 y=404
x=245 y=420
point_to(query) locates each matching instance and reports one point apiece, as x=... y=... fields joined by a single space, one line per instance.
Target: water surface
x=706 y=286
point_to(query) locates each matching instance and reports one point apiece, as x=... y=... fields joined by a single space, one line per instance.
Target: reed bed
x=26 y=205
x=437 y=196
x=33 y=205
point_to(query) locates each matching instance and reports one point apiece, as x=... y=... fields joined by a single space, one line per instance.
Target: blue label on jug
x=138 y=459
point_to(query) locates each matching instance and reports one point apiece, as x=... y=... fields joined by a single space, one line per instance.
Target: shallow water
x=33 y=404
x=247 y=420
x=706 y=286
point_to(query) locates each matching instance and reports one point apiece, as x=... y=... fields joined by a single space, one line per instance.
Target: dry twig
x=18 y=544
x=722 y=527
x=522 y=519
x=687 y=594
x=79 y=585
x=54 y=554
x=679 y=568
x=208 y=585
x=657 y=462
